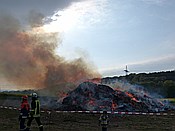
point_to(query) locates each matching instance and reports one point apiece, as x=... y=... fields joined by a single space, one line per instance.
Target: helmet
x=34 y=95
x=24 y=97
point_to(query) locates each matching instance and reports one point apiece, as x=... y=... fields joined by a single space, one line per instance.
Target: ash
x=99 y=97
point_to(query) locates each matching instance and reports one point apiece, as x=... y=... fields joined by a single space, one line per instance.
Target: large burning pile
x=91 y=96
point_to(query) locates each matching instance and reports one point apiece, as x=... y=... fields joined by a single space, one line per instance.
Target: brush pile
x=91 y=96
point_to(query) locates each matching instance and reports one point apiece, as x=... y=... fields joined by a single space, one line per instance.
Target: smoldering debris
x=91 y=96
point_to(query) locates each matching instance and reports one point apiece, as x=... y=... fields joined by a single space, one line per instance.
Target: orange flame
x=91 y=102
x=131 y=96
x=114 y=106
x=94 y=80
x=62 y=94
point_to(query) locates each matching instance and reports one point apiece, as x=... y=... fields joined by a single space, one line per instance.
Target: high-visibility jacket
x=35 y=108
x=104 y=120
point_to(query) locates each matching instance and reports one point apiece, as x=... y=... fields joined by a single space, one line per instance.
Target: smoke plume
x=27 y=55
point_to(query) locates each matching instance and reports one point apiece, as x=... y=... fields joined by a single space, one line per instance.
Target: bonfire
x=99 y=97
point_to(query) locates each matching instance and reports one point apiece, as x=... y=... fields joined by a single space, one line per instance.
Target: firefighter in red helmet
x=24 y=112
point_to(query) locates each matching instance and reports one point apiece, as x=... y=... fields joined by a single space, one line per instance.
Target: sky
x=109 y=33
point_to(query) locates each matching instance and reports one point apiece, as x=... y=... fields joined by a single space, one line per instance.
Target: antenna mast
x=126 y=70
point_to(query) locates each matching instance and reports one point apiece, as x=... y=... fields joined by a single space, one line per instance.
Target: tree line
x=162 y=83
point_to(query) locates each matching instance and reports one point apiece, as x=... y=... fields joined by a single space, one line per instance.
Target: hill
x=160 y=82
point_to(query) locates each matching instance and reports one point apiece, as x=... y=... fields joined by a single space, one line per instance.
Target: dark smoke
x=27 y=56
x=35 y=19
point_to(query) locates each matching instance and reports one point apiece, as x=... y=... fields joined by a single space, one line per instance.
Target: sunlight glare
x=76 y=14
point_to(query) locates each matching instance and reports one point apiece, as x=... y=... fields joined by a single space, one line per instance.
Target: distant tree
x=160 y=82
x=170 y=88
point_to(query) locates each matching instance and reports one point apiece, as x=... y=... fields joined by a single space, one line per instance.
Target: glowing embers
x=91 y=96
x=95 y=80
x=114 y=106
x=131 y=96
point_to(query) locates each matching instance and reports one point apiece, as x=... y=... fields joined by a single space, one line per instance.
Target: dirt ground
x=89 y=122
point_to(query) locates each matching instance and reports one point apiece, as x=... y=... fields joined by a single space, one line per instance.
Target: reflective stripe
x=104 y=122
x=37 y=109
x=24 y=116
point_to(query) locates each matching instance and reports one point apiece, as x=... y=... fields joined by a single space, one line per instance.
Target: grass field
x=171 y=100
x=83 y=121
x=89 y=122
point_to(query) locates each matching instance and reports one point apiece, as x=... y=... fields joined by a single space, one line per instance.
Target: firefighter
x=104 y=121
x=35 y=112
x=24 y=112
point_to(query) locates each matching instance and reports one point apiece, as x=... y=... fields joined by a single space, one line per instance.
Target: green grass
x=4 y=95
x=172 y=100
x=89 y=122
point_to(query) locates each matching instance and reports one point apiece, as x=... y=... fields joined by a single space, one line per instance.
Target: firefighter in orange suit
x=24 y=112
x=35 y=112
x=104 y=121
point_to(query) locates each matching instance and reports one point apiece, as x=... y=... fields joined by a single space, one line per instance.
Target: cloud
x=78 y=14
x=23 y=7
x=153 y=65
x=156 y=2
x=46 y=4
x=49 y=10
x=157 y=64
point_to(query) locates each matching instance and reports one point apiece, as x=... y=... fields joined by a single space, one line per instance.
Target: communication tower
x=126 y=70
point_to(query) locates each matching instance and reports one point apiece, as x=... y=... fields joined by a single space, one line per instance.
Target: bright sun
x=76 y=14
x=62 y=21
